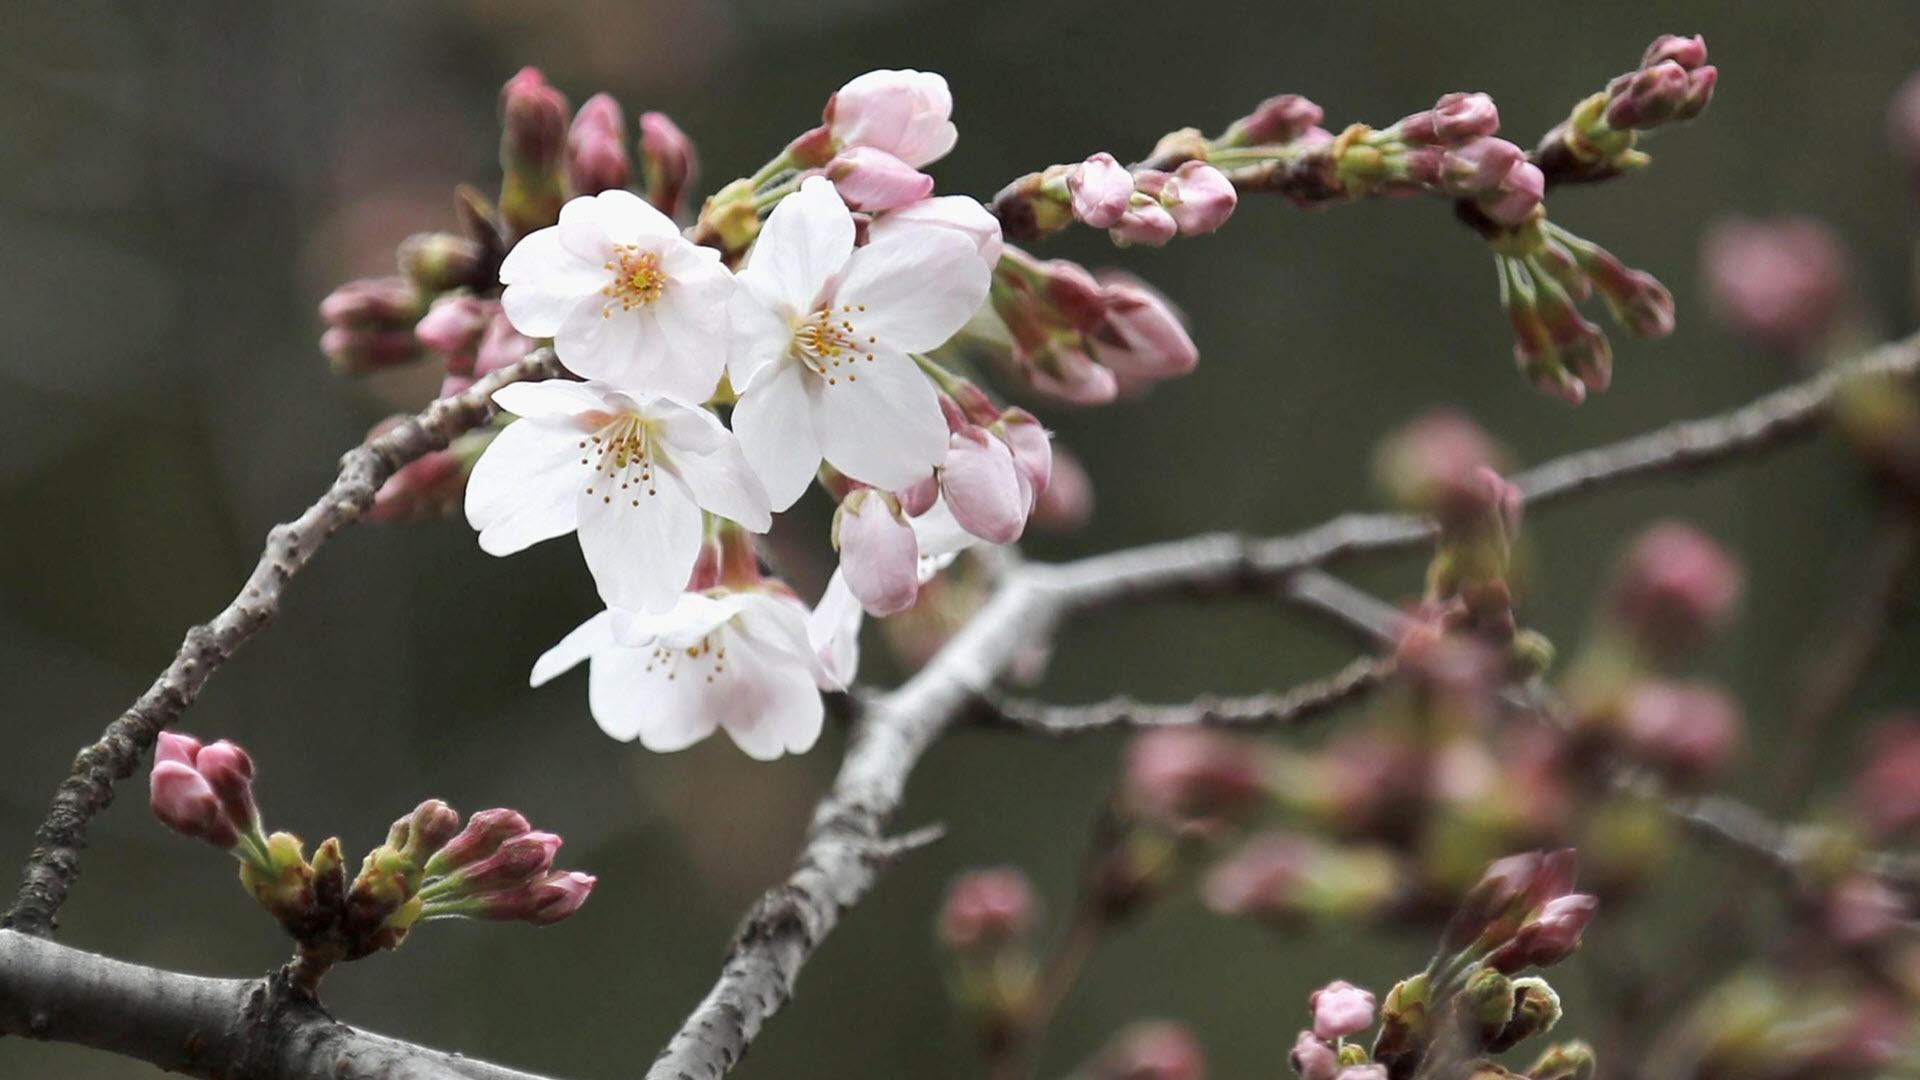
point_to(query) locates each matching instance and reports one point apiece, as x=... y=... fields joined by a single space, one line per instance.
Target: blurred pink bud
x=1688 y=52
x=533 y=118
x=1508 y=890
x=1101 y=188
x=1141 y=336
x=1070 y=376
x=1152 y=1050
x=1547 y=938
x=1674 y=586
x=1340 y=1009
x=1433 y=465
x=906 y=113
x=517 y=860
x=1263 y=878
x=1362 y=1072
x=1191 y=780
x=1649 y=97
x=1903 y=126
x=1780 y=282
x=501 y=346
x=1861 y=909
x=874 y=180
x=1455 y=118
x=1200 y=198
x=982 y=486
x=956 y=212
x=421 y=490
x=484 y=834
x=1887 y=790
x=1278 y=119
x=229 y=772
x=454 y=327
x=597 y=147
x=1699 y=95
x=1312 y=1059
x=438 y=262
x=1067 y=501
x=668 y=162
x=1145 y=222
x=542 y=902
x=879 y=555
x=1685 y=730
x=1520 y=193
x=384 y=303
x=985 y=909
x=1032 y=448
x=1479 y=166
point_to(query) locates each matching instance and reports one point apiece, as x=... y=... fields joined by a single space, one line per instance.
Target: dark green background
x=183 y=182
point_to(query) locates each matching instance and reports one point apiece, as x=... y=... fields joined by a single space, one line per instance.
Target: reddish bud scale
x=483 y=835
x=668 y=162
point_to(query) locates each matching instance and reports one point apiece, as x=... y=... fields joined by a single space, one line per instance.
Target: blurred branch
x=1303 y=702
x=55 y=860
x=210 y=1028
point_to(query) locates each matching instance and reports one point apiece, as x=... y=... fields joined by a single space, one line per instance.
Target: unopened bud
x=1782 y=283
x=879 y=555
x=597 y=147
x=1340 y=1009
x=1151 y=1050
x=533 y=140
x=483 y=835
x=1686 y=731
x=1674 y=586
x=982 y=486
x=516 y=860
x=1140 y=334
x=441 y=262
x=1518 y=196
x=1189 y=779
x=542 y=902
x=1548 y=937
x=1280 y=119
x=1144 y=222
x=1100 y=189
x=986 y=909
x=1200 y=198
x=1312 y=1059
x=431 y=825
x=454 y=328
x=873 y=180
x=1455 y=118
x=668 y=162
x=1536 y=1009
x=183 y=801
x=1032 y=447
x=1487 y=1002
x=229 y=772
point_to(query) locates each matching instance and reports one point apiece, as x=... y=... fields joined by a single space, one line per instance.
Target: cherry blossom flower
x=624 y=297
x=823 y=337
x=630 y=473
x=959 y=213
x=833 y=630
x=908 y=114
x=738 y=660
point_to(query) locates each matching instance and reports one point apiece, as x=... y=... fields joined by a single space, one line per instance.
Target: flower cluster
x=1674 y=83
x=497 y=867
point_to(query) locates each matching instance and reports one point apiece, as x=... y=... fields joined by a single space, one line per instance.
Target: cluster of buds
x=986 y=927
x=1674 y=83
x=1545 y=272
x=1781 y=283
x=1450 y=150
x=1139 y=205
x=1084 y=338
x=1821 y=1025
x=432 y=485
x=1470 y=1002
x=1147 y=1050
x=1287 y=879
x=498 y=867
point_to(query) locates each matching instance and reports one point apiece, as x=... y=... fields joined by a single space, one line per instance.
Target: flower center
x=826 y=340
x=706 y=657
x=637 y=279
x=614 y=454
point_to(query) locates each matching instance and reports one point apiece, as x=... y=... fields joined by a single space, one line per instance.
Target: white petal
x=723 y=483
x=766 y=701
x=545 y=283
x=693 y=616
x=805 y=242
x=627 y=218
x=774 y=421
x=776 y=621
x=834 y=632
x=523 y=488
x=918 y=287
x=551 y=399
x=694 y=348
x=607 y=345
x=633 y=693
x=883 y=427
x=760 y=336
x=583 y=642
x=640 y=546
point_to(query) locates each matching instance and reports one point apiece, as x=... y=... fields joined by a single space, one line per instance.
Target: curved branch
x=1302 y=703
x=55 y=860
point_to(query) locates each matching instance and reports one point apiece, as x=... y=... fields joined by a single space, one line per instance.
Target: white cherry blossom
x=629 y=472
x=624 y=296
x=824 y=334
x=908 y=114
x=737 y=660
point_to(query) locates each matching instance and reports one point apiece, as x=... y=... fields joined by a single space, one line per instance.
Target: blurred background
x=183 y=183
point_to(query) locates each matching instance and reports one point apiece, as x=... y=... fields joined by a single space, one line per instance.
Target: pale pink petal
x=524 y=487
x=805 y=241
x=641 y=541
x=917 y=289
x=833 y=630
x=766 y=701
x=883 y=427
x=774 y=422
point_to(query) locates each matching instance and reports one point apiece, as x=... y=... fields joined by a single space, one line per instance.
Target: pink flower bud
x=986 y=909
x=423 y=489
x=1191 y=780
x=1455 y=118
x=1650 y=97
x=1688 y=52
x=426 y=830
x=1101 y=188
x=1685 y=730
x=1699 y=94
x=385 y=303
x=1780 y=282
x=517 y=860
x=1280 y=119
x=668 y=162
x=906 y=113
x=183 y=801
x=874 y=180
x=1153 y=1050
x=533 y=118
x=1070 y=376
x=1200 y=198
x=1265 y=877
x=1520 y=193
x=1674 y=586
x=229 y=773
x=454 y=328
x=484 y=834
x=1860 y=910
x=1432 y=465
x=1887 y=791
x=1141 y=336
x=543 y=902
x=1478 y=166
x=173 y=746
x=955 y=212
x=919 y=498
x=982 y=486
x=1312 y=1059
x=1340 y=1009
x=1032 y=448
x=1145 y=222
x=360 y=352
x=1067 y=501
x=879 y=555
x=1548 y=937
x=1508 y=890
x=501 y=346
x=597 y=147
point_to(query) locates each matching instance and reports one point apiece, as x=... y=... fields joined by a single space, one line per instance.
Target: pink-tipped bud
x=1649 y=97
x=1145 y=222
x=1520 y=193
x=906 y=113
x=1508 y=890
x=1280 y=119
x=1141 y=336
x=1781 y=283
x=874 y=180
x=982 y=486
x=1264 y=878
x=484 y=834
x=501 y=346
x=1152 y=1050
x=1101 y=188
x=879 y=555
x=1700 y=86
x=986 y=909
x=1432 y=465
x=1032 y=447
x=229 y=772
x=1069 y=375
x=1340 y=1009
x=1067 y=501
x=957 y=213
x=542 y=902
x=1312 y=1059
x=183 y=801
x=1886 y=793
x=1688 y=52
x=668 y=162
x=1200 y=198
x=1548 y=937
x=517 y=860
x=1455 y=118
x=919 y=498
x=1479 y=166
x=597 y=147
x=1674 y=586
x=454 y=328
x=173 y=746
x=385 y=303
x=1687 y=731
x=1191 y=780
x=533 y=117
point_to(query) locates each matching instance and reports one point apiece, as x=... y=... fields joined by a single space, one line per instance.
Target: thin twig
x=1304 y=702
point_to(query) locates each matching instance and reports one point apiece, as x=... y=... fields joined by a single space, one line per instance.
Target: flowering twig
x=1303 y=702
x=55 y=860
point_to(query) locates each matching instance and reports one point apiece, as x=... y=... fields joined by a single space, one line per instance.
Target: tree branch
x=55 y=860
x=1122 y=713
